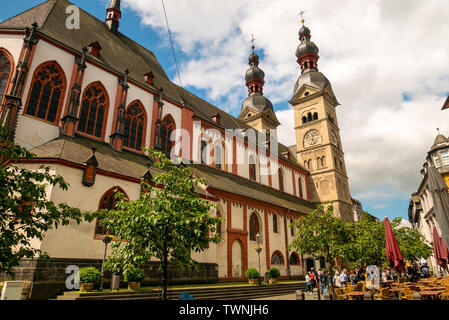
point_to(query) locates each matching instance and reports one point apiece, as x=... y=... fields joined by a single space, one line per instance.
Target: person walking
x=324 y=281
x=425 y=271
x=308 y=282
x=343 y=278
x=337 y=281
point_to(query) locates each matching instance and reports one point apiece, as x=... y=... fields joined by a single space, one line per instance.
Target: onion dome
x=307 y=51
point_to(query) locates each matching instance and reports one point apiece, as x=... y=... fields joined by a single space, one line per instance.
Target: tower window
x=306 y=65
x=304 y=119
x=309 y=117
x=315 y=116
x=306 y=93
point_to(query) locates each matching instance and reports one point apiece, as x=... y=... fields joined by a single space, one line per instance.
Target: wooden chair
x=406 y=294
x=348 y=290
x=384 y=294
x=340 y=295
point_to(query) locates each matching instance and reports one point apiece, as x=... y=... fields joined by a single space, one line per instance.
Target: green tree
x=366 y=245
x=25 y=211
x=168 y=222
x=320 y=233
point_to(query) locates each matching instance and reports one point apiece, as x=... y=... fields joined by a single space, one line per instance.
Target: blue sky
x=388 y=68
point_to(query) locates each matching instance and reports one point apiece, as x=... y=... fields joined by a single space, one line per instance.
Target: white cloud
x=372 y=52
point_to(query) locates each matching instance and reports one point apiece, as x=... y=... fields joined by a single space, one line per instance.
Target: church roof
x=314 y=79
x=118 y=53
x=78 y=150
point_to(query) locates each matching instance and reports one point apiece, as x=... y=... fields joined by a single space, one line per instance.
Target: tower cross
x=252 y=41
x=301 y=13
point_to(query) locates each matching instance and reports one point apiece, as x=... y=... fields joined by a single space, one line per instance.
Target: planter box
x=86 y=287
x=252 y=281
x=273 y=280
x=133 y=285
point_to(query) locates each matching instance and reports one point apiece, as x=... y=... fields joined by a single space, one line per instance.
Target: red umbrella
x=394 y=255
x=440 y=251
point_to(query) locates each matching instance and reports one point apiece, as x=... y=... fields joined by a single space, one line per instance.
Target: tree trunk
x=165 y=277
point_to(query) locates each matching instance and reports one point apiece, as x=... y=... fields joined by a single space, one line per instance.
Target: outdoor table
x=356 y=295
x=430 y=295
x=396 y=291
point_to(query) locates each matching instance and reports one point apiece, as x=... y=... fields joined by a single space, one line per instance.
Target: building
x=421 y=211
x=86 y=100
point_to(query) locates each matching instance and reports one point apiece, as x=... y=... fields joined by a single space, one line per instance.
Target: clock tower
x=318 y=142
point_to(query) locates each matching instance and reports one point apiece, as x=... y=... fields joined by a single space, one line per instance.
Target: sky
x=388 y=62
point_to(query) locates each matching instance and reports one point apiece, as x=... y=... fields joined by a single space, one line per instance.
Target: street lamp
x=258 y=249
x=106 y=240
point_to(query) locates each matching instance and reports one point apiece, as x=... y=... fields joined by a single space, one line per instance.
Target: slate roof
x=78 y=150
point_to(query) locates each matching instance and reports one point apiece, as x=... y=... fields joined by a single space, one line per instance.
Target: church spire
x=113 y=15
x=254 y=75
x=307 y=51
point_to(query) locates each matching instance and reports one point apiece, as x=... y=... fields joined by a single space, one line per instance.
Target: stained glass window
x=5 y=73
x=135 y=121
x=47 y=91
x=94 y=107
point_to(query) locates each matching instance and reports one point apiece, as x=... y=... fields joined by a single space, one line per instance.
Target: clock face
x=312 y=137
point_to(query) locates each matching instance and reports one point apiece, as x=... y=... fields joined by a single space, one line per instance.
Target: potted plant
x=89 y=276
x=273 y=274
x=253 y=275
x=134 y=277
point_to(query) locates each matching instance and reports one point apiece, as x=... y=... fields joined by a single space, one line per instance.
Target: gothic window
x=218 y=157
x=300 y=188
x=135 y=124
x=275 y=223
x=281 y=180
x=252 y=168
x=47 y=92
x=203 y=152
x=277 y=258
x=168 y=126
x=294 y=259
x=94 y=110
x=107 y=202
x=5 y=73
x=254 y=227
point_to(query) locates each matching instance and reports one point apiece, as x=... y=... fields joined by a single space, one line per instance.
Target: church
x=85 y=101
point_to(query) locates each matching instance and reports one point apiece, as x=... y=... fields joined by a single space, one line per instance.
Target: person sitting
x=425 y=271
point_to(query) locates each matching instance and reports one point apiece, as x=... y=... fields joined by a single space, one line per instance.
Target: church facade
x=85 y=101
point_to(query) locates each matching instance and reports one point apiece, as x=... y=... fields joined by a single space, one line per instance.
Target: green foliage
x=25 y=212
x=134 y=275
x=89 y=275
x=274 y=273
x=252 y=273
x=320 y=233
x=168 y=223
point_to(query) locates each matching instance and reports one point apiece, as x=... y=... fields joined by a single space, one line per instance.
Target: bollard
x=300 y=295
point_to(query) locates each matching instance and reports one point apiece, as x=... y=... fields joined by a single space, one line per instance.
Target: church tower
x=257 y=111
x=318 y=142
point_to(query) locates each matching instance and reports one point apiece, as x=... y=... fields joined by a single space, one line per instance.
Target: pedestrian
x=315 y=277
x=343 y=278
x=308 y=282
x=353 y=278
x=337 y=281
x=312 y=280
x=324 y=281
x=384 y=276
x=425 y=271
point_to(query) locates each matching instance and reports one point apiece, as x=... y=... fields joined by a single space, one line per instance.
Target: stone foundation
x=49 y=276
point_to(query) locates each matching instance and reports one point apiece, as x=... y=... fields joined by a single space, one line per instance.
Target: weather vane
x=301 y=13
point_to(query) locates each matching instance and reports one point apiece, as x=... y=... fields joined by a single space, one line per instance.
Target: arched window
x=304 y=119
x=300 y=188
x=203 y=152
x=218 y=156
x=294 y=259
x=135 y=126
x=6 y=67
x=315 y=116
x=252 y=168
x=47 y=92
x=275 y=223
x=277 y=258
x=323 y=162
x=281 y=180
x=309 y=116
x=94 y=110
x=309 y=164
x=108 y=202
x=306 y=65
x=168 y=126
x=254 y=227
x=311 y=64
x=318 y=163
